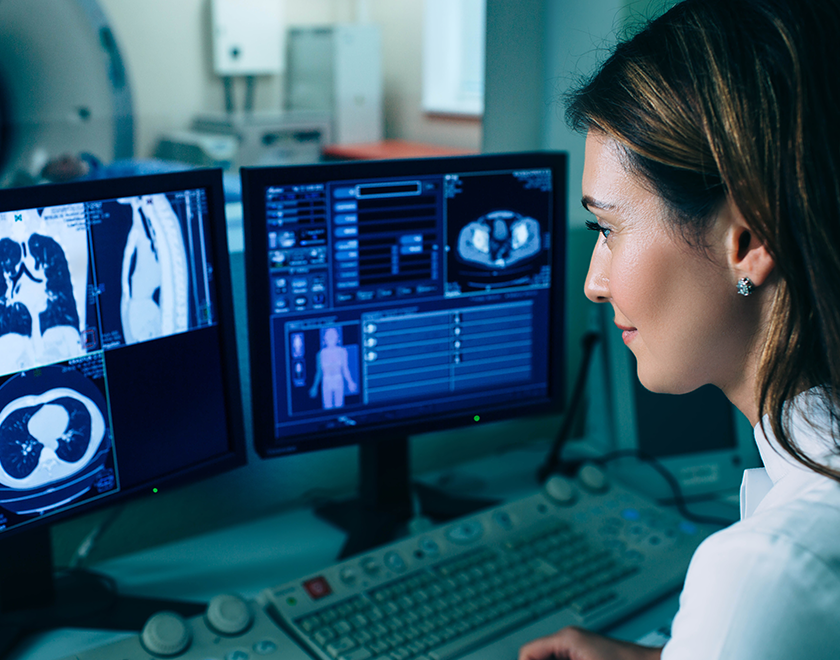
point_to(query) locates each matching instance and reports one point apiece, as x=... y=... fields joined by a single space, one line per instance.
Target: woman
x=713 y=172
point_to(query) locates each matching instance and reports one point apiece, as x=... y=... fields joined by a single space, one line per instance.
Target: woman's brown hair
x=741 y=99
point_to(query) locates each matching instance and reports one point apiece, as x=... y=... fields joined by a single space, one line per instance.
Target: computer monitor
x=700 y=438
x=392 y=298
x=118 y=369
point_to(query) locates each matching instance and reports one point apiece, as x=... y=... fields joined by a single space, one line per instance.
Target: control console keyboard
x=589 y=554
x=580 y=552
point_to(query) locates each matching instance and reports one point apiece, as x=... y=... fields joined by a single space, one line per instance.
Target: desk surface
x=247 y=558
x=388 y=149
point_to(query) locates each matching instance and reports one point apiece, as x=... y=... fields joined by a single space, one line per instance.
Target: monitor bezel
x=255 y=180
x=210 y=180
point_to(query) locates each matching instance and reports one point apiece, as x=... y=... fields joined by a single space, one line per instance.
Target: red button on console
x=317 y=587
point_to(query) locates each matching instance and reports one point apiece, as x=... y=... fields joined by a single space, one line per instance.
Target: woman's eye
x=594 y=226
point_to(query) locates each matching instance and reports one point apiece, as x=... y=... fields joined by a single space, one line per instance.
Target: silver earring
x=745 y=286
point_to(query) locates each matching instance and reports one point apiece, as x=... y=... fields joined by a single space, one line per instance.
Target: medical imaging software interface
x=400 y=298
x=85 y=287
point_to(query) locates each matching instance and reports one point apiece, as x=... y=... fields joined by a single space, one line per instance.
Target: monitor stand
x=34 y=598
x=386 y=502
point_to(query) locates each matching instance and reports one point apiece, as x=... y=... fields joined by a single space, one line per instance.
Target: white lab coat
x=768 y=587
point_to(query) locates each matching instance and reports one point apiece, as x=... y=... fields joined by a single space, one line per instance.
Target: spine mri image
x=154 y=272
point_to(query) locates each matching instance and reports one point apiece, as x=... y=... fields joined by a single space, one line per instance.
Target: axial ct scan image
x=55 y=444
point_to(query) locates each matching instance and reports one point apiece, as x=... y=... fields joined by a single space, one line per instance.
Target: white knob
x=228 y=614
x=592 y=478
x=560 y=489
x=166 y=634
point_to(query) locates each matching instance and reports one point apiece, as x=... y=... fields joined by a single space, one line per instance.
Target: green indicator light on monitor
x=477 y=418
x=154 y=490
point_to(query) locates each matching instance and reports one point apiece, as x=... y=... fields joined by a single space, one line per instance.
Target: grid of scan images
x=78 y=282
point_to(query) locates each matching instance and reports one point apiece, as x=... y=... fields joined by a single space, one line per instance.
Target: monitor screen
x=391 y=298
x=118 y=370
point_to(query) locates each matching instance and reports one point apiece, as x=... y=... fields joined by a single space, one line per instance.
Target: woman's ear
x=746 y=255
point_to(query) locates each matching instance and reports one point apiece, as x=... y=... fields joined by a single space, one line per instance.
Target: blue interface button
x=429 y=546
x=688 y=528
x=502 y=519
x=344 y=297
x=385 y=293
x=395 y=562
x=265 y=647
x=631 y=514
x=465 y=533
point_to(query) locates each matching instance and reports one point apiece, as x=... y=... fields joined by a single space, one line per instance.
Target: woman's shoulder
x=805 y=527
x=777 y=571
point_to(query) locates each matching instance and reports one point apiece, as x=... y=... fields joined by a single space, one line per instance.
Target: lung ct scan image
x=55 y=439
x=45 y=265
x=502 y=241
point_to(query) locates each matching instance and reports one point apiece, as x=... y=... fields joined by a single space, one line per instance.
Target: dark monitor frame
x=384 y=471
x=30 y=586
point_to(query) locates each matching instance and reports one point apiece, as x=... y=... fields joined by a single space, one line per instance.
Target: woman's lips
x=627 y=333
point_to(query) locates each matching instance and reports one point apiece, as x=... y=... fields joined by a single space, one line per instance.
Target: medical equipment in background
x=247 y=38
x=338 y=69
x=230 y=141
x=63 y=86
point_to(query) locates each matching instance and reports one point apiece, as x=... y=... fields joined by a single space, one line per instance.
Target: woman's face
x=676 y=305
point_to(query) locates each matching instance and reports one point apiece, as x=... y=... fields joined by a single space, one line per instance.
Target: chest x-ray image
x=44 y=264
x=154 y=272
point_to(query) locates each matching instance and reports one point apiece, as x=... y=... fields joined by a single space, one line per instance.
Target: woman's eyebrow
x=592 y=203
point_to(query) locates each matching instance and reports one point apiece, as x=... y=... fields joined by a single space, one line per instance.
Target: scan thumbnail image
x=496 y=235
x=324 y=367
x=142 y=270
x=44 y=261
x=55 y=442
x=499 y=240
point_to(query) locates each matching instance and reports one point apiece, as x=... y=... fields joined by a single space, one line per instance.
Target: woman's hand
x=577 y=644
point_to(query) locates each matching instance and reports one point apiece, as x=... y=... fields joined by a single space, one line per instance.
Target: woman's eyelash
x=594 y=226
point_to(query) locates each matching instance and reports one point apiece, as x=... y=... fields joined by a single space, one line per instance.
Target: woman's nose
x=597 y=284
